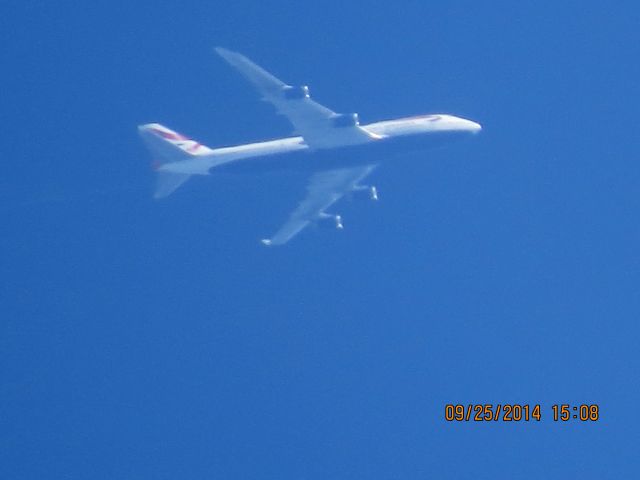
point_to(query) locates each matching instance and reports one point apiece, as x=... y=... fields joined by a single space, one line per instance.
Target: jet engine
x=345 y=120
x=296 y=93
x=326 y=219
x=369 y=192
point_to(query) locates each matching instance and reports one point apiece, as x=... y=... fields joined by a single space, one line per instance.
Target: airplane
x=334 y=147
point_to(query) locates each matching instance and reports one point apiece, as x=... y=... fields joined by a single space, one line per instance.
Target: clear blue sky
x=159 y=340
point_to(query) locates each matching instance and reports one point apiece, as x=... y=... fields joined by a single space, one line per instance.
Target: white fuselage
x=419 y=131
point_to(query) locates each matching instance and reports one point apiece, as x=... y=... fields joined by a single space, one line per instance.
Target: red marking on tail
x=193 y=148
x=169 y=135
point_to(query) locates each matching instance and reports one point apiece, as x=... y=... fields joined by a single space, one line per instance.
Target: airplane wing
x=320 y=126
x=324 y=189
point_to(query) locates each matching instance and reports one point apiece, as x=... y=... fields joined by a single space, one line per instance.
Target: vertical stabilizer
x=168 y=146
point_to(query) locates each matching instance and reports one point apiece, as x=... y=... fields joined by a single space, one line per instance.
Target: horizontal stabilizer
x=168 y=182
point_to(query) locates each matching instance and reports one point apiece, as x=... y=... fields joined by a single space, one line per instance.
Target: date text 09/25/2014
x=513 y=412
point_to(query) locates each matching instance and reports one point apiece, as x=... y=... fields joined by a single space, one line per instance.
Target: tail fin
x=168 y=146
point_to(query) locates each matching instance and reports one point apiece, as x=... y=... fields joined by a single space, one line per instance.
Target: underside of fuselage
x=314 y=160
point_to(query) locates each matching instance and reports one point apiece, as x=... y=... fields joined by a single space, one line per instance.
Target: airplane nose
x=473 y=126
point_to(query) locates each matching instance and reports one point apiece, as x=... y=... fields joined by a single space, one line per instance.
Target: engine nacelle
x=326 y=219
x=365 y=191
x=296 y=93
x=345 y=120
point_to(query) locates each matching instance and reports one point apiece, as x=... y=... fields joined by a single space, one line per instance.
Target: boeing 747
x=334 y=147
